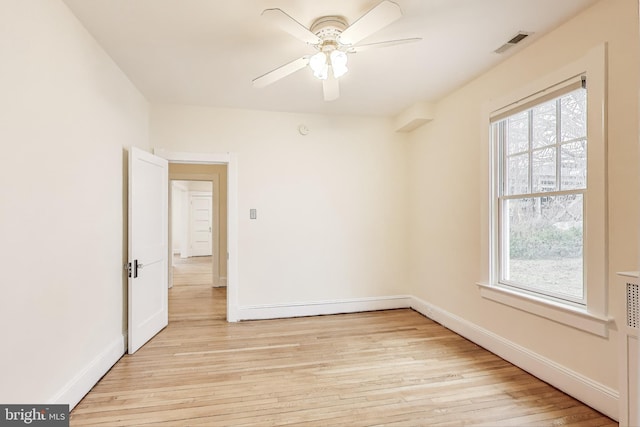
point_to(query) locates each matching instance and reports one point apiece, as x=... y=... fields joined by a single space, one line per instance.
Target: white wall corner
x=89 y=375
x=414 y=117
x=592 y=393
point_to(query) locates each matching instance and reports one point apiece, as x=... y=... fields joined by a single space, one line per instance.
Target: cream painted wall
x=449 y=190
x=67 y=113
x=331 y=205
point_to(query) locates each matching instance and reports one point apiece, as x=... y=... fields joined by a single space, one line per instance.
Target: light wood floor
x=192 y=271
x=393 y=368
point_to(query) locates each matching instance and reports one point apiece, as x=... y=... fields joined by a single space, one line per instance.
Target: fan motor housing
x=329 y=27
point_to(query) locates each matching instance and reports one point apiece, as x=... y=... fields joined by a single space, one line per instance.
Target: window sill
x=565 y=314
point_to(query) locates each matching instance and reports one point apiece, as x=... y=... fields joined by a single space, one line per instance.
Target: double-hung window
x=542 y=181
x=547 y=233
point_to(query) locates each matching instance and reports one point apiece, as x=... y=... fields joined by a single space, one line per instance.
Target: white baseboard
x=592 y=393
x=222 y=281
x=316 y=308
x=89 y=375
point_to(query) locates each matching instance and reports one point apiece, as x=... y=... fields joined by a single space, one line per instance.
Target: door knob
x=133 y=267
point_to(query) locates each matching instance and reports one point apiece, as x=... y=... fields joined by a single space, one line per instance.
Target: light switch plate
x=253 y=213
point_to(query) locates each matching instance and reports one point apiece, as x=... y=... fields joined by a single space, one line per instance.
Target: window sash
x=529 y=153
x=504 y=251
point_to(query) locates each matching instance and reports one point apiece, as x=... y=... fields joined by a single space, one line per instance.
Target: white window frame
x=498 y=119
x=591 y=317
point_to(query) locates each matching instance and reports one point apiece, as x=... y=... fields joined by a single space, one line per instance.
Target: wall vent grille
x=633 y=306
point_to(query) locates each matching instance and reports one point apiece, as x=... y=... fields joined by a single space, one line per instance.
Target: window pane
x=542 y=245
x=544 y=124
x=518 y=133
x=541 y=238
x=517 y=179
x=573 y=115
x=573 y=159
x=543 y=170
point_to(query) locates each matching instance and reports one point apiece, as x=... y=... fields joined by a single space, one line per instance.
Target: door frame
x=230 y=160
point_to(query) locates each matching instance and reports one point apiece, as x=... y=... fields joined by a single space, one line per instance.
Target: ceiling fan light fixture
x=318 y=63
x=339 y=63
x=333 y=38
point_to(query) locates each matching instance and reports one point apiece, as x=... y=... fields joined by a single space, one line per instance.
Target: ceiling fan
x=333 y=39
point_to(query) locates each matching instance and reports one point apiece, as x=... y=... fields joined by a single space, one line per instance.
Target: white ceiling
x=206 y=52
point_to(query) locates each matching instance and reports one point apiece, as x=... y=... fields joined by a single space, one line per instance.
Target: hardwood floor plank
x=393 y=368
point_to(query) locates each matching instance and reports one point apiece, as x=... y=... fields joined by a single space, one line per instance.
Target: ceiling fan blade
x=291 y=26
x=388 y=43
x=377 y=18
x=330 y=88
x=280 y=72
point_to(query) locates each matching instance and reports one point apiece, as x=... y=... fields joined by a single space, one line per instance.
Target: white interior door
x=200 y=224
x=148 y=251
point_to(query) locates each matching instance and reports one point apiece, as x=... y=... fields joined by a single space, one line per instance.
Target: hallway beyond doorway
x=192 y=271
x=192 y=296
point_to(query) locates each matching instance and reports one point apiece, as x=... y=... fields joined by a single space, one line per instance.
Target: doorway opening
x=230 y=186
x=194 y=240
x=198 y=239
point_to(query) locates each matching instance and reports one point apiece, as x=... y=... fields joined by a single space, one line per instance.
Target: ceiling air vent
x=514 y=41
